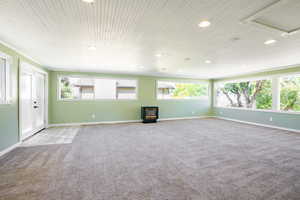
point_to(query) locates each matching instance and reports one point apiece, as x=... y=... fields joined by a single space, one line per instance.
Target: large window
x=181 y=90
x=4 y=79
x=88 y=88
x=246 y=94
x=290 y=93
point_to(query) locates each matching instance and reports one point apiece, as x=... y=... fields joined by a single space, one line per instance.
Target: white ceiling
x=129 y=33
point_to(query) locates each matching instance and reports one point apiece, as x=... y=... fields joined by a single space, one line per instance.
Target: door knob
x=35 y=107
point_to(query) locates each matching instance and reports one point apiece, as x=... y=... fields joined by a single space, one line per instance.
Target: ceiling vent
x=281 y=16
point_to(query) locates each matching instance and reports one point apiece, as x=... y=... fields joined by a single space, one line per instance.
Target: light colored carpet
x=205 y=159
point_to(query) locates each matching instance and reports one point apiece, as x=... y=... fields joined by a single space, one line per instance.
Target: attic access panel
x=281 y=15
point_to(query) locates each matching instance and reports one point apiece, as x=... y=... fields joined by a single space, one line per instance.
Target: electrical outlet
x=93 y=116
x=271 y=119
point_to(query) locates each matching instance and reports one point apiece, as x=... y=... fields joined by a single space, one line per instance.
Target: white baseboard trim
x=182 y=118
x=120 y=122
x=5 y=151
x=93 y=123
x=258 y=124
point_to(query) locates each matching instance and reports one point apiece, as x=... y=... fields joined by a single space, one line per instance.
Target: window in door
x=4 y=79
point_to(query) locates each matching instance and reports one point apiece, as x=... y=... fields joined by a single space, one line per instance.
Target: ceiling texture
x=155 y=37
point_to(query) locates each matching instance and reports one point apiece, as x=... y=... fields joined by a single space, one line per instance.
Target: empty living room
x=149 y=100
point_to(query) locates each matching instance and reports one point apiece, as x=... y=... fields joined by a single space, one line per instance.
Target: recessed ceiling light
x=158 y=55
x=204 y=24
x=92 y=48
x=141 y=67
x=268 y=42
x=234 y=39
x=179 y=71
x=88 y=1
x=208 y=61
x=285 y=34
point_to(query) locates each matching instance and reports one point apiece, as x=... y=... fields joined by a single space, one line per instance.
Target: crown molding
x=18 y=51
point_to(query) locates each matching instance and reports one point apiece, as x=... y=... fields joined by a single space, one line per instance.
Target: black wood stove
x=149 y=114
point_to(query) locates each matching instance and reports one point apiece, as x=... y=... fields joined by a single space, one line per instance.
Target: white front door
x=32 y=102
x=39 y=101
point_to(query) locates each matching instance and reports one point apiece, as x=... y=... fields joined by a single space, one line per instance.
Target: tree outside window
x=248 y=94
x=177 y=90
x=290 y=93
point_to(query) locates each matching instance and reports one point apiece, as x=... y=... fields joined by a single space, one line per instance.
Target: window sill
x=261 y=110
x=94 y=100
x=191 y=99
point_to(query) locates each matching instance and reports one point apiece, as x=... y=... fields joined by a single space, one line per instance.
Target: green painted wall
x=284 y=120
x=120 y=110
x=279 y=119
x=9 y=126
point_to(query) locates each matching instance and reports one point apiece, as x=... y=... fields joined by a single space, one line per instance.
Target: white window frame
x=279 y=89
x=239 y=81
x=275 y=92
x=7 y=79
x=59 y=77
x=182 y=81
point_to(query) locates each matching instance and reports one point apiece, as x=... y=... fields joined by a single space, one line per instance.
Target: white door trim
x=24 y=66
